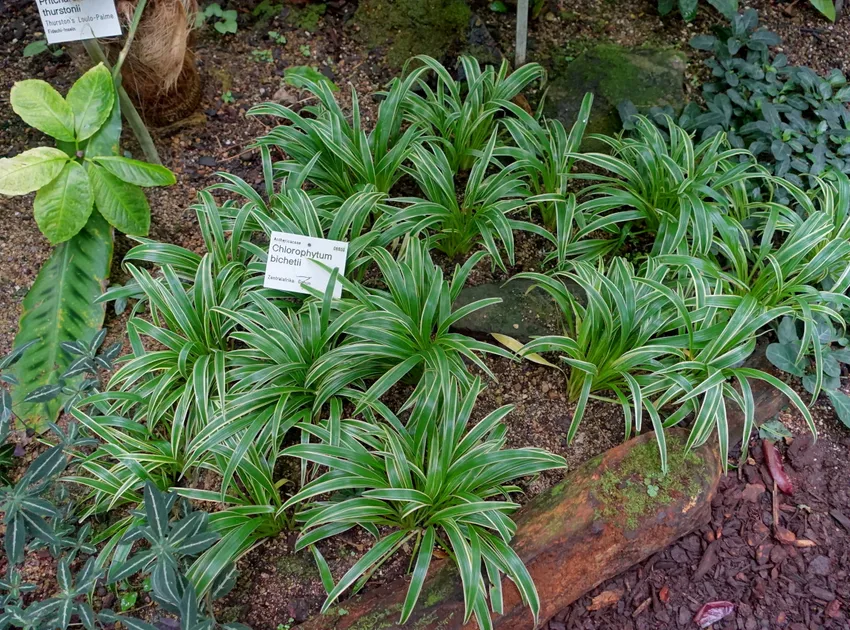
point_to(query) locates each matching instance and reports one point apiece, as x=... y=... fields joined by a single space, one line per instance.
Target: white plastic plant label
x=290 y=264
x=73 y=20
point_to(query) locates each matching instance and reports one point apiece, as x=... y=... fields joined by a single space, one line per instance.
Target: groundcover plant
x=372 y=393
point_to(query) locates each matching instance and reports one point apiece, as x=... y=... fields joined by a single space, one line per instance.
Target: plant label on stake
x=290 y=264
x=73 y=20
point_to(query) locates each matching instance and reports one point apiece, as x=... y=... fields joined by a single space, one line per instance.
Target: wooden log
x=595 y=524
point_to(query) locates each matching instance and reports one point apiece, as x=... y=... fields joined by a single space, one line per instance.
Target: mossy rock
x=648 y=77
x=481 y=44
x=523 y=313
x=413 y=27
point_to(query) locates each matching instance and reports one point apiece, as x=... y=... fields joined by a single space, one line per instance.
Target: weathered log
x=595 y=524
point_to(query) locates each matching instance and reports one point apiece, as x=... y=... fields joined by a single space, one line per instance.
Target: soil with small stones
x=793 y=585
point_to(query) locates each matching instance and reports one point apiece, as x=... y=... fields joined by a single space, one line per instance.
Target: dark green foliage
x=793 y=120
x=6 y=414
x=26 y=513
x=688 y=8
x=789 y=355
x=86 y=362
x=32 y=521
x=172 y=542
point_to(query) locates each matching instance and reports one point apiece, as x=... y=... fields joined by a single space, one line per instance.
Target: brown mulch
x=789 y=573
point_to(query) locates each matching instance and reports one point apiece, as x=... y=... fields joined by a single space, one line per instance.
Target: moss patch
x=307 y=18
x=636 y=487
x=299 y=566
x=413 y=27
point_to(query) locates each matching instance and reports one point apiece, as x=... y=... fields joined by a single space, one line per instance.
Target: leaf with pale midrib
x=63 y=206
x=60 y=307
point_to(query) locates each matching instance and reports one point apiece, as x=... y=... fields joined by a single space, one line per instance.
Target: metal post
x=521 y=31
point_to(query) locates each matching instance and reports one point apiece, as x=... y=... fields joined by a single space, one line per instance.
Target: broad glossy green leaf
x=123 y=205
x=63 y=206
x=60 y=306
x=42 y=107
x=30 y=170
x=784 y=356
x=137 y=172
x=91 y=98
x=728 y=8
x=106 y=141
x=688 y=9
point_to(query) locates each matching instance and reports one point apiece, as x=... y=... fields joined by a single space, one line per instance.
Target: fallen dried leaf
x=774 y=464
x=784 y=535
x=512 y=344
x=841 y=519
x=712 y=612
x=605 y=599
x=832 y=608
x=707 y=562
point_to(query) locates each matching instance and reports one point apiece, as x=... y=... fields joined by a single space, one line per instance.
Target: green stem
x=130 y=114
x=131 y=34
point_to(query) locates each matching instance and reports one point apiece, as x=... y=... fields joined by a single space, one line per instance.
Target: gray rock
x=520 y=315
x=481 y=44
x=820 y=565
x=648 y=77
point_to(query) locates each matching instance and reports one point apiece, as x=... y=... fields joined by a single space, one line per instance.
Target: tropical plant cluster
x=84 y=188
x=32 y=518
x=666 y=265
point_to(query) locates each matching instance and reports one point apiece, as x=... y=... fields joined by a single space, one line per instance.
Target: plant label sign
x=73 y=20
x=291 y=263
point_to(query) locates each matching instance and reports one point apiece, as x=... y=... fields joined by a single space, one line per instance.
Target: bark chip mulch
x=781 y=567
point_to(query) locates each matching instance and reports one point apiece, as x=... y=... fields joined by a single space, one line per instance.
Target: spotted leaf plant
x=80 y=173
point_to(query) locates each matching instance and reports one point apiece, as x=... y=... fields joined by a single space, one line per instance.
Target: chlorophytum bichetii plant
x=83 y=186
x=236 y=368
